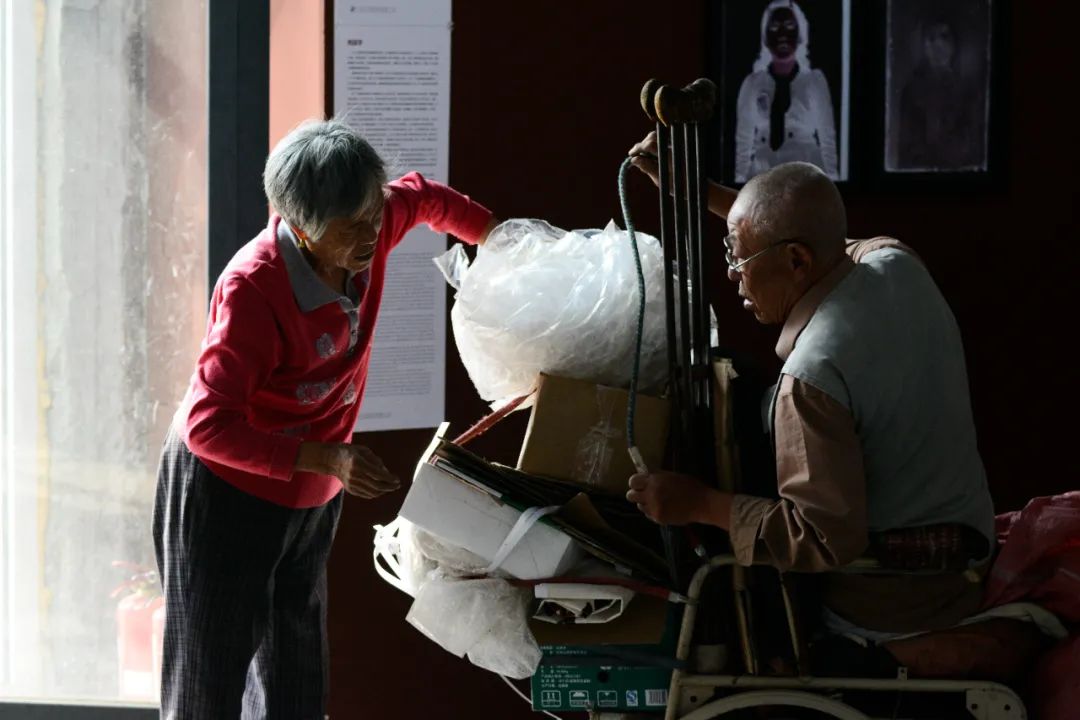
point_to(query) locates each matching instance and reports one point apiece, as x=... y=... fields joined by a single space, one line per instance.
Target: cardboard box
x=624 y=665
x=577 y=433
x=467 y=517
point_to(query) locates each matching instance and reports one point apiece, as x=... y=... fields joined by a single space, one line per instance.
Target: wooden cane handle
x=648 y=97
x=692 y=104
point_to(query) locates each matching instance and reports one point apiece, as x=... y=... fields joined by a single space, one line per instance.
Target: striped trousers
x=245 y=597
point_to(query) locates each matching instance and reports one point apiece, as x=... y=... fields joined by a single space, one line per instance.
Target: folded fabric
x=1039 y=559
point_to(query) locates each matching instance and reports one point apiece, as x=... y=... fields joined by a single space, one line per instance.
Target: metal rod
x=685 y=462
x=697 y=299
x=703 y=372
x=693 y=228
x=742 y=618
x=667 y=242
x=686 y=311
x=686 y=631
x=749 y=681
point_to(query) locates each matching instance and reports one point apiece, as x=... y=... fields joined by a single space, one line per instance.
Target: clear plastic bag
x=484 y=618
x=451 y=559
x=541 y=299
x=397 y=558
x=508 y=647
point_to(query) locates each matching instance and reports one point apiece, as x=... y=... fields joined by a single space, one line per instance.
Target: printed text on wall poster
x=392 y=83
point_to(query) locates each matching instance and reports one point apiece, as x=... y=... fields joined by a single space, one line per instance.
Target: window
x=103 y=127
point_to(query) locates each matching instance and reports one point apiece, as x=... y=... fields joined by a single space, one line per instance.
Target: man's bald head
x=793 y=200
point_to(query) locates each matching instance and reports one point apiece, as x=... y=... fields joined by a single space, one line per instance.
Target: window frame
x=19 y=419
x=239 y=87
x=238 y=40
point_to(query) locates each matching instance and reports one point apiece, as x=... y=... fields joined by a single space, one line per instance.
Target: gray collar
x=310 y=291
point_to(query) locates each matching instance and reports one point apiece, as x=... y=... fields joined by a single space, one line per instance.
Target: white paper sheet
x=392 y=83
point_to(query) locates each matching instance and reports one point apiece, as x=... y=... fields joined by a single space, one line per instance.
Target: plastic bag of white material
x=484 y=618
x=397 y=558
x=451 y=559
x=540 y=299
x=404 y=556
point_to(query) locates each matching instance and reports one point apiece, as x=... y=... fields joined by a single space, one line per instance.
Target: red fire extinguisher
x=137 y=648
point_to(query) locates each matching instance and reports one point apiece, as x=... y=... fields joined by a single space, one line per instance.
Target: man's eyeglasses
x=734 y=266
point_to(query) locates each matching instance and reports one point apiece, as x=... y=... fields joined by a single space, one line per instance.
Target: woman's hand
x=360 y=470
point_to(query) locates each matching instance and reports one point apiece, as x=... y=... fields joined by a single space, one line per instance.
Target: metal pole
x=698 y=309
x=681 y=203
x=684 y=459
x=702 y=372
x=667 y=241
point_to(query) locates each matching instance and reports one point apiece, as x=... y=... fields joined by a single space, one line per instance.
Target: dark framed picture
x=783 y=72
x=939 y=65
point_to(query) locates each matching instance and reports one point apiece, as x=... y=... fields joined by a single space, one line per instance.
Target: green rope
x=631 y=408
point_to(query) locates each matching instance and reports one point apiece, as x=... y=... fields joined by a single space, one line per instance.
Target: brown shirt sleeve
x=819 y=522
x=857 y=249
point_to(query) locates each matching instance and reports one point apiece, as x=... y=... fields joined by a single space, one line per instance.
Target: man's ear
x=800 y=256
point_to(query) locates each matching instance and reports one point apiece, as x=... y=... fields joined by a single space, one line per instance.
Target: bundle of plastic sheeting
x=541 y=299
x=484 y=618
x=404 y=555
x=397 y=558
x=451 y=559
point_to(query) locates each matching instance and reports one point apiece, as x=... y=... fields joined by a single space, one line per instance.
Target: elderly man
x=871 y=420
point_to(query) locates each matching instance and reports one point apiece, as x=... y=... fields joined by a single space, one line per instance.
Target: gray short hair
x=797 y=199
x=322 y=170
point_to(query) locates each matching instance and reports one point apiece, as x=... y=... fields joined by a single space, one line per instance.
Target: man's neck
x=809 y=300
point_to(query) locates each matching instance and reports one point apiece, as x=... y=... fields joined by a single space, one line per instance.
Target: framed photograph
x=782 y=68
x=938 y=89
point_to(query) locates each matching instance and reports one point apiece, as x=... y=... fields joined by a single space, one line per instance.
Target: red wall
x=297 y=88
x=544 y=106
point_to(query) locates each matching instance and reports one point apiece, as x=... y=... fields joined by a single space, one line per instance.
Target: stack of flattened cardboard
x=574 y=456
x=472 y=503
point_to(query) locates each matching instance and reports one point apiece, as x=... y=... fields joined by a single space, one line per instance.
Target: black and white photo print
x=783 y=70
x=937 y=86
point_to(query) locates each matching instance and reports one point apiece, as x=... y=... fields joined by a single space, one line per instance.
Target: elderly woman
x=252 y=471
x=784 y=111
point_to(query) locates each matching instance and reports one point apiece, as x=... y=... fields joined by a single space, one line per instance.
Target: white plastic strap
x=521 y=527
x=386 y=555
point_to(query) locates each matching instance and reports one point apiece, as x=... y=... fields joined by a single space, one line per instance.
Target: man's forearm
x=720 y=199
x=716 y=509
